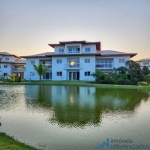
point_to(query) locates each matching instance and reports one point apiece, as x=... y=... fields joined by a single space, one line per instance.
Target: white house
x=10 y=64
x=75 y=60
x=144 y=62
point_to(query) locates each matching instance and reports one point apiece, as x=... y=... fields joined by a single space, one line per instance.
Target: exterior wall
x=142 y=65
x=87 y=67
x=7 y=70
x=30 y=68
x=56 y=49
x=11 y=58
x=116 y=61
x=82 y=48
x=59 y=67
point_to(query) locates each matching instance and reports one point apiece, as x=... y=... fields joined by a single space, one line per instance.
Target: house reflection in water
x=75 y=106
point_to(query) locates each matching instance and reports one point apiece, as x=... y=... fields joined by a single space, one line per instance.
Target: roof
x=20 y=61
x=8 y=54
x=144 y=59
x=65 y=55
x=107 y=53
x=98 y=44
x=38 y=55
x=116 y=53
x=72 y=42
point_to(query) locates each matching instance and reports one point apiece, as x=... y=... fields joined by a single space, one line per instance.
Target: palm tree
x=40 y=69
x=12 y=76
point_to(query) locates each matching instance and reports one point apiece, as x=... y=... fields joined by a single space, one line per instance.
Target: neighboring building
x=75 y=60
x=10 y=64
x=144 y=62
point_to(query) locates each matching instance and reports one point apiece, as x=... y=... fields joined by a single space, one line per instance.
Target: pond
x=76 y=118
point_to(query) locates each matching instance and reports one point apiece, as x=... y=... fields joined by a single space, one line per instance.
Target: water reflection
x=85 y=105
x=72 y=106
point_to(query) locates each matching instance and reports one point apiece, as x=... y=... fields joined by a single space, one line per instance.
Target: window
x=59 y=73
x=87 y=49
x=87 y=73
x=59 y=61
x=121 y=60
x=61 y=50
x=5 y=66
x=87 y=61
x=32 y=74
x=32 y=62
x=145 y=63
x=6 y=58
x=5 y=74
x=104 y=63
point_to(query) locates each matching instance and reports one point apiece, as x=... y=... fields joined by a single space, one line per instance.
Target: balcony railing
x=73 y=52
x=18 y=69
x=47 y=64
x=73 y=66
x=104 y=66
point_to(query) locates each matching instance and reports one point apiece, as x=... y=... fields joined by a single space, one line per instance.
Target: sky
x=28 y=26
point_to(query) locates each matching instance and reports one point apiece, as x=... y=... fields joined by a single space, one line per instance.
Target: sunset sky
x=28 y=26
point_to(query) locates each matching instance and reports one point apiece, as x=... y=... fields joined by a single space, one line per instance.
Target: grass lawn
x=8 y=143
x=76 y=83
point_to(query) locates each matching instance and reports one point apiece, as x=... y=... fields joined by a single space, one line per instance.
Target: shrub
x=134 y=81
x=19 y=79
x=2 y=78
x=23 y=80
x=145 y=70
x=123 y=79
x=147 y=79
x=109 y=79
x=122 y=70
x=143 y=83
x=99 y=76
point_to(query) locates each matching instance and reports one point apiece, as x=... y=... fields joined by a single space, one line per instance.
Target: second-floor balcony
x=73 y=51
x=18 y=69
x=72 y=66
x=104 y=66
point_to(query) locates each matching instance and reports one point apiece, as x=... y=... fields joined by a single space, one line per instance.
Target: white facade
x=75 y=60
x=144 y=62
x=10 y=64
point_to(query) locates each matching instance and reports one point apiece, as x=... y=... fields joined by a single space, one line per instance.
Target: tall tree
x=40 y=69
x=122 y=70
x=145 y=70
x=135 y=72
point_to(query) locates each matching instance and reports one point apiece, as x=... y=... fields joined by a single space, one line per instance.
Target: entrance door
x=47 y=75
x=73 y=75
